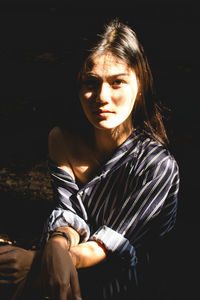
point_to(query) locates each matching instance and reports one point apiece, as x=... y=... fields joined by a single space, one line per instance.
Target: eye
x=90 y=83
x=117 y=83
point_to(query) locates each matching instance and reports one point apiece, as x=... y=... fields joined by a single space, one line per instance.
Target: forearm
x=71 y=233
x=84 y=254
x=87 y=254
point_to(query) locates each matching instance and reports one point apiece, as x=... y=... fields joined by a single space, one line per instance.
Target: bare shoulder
x=54 y=134
x=58 y=144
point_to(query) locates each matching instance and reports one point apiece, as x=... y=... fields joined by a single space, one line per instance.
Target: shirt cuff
x=115 y=242
x=60 y=217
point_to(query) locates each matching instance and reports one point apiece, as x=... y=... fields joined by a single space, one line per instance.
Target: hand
x=15 y=264
x=57 y=271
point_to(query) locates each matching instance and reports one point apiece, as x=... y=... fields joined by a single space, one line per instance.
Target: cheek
x=85 y=95
x=86 y=105
x=88 y=95
x=125 y=98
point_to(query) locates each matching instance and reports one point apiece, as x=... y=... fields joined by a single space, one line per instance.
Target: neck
x=106 y=141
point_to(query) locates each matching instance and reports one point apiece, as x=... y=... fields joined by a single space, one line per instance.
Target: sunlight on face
x=108 y=92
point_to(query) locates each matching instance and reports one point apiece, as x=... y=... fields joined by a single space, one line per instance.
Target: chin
x=105 y=125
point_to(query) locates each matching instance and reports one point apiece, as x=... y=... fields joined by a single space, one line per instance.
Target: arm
x=146 y=212
x=84 y=254
x=69 y=210
x=87 y=254
x=131 y=221
x=58 y=273
x=59 y=265
x=15 y=264
x=58 y=151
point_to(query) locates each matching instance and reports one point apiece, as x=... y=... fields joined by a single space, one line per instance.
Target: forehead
x=108 y=64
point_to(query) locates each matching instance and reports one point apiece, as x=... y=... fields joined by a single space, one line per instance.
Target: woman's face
x=108 y=92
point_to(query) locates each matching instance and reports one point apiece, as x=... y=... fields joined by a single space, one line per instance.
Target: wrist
x=60 y=237
x=74 y=257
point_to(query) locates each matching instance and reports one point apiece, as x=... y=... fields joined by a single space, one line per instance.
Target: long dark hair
x=122 y=42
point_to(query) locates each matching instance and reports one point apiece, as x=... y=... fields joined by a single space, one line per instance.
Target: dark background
x=34 y=41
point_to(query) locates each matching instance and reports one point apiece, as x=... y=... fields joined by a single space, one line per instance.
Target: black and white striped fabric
x=130 y=202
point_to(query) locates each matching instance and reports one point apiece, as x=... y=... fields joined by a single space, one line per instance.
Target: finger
x=4 y=281
x=69 y=294
x=5 y=257
x=7 y=248
x=7 y=276
x=62 y=295
x=75 y=287
x=7 y=268
x=45 y=289
x=19 y=290
x=44 y=281
x=49 y=288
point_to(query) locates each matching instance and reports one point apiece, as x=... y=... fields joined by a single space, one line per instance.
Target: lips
x=102 y=111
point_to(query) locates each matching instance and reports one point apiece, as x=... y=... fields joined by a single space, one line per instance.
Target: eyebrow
x=112 y=75
x=119 y=74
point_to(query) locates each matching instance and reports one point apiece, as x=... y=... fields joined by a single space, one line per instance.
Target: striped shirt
x=130 y=202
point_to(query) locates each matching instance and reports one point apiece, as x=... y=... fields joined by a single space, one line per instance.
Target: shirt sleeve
x=148 y=210
x=69 y=210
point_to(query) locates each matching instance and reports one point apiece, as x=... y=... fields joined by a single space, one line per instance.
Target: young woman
x=115 y=182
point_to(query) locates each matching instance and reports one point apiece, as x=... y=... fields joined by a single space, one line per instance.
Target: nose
x=104 y=93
